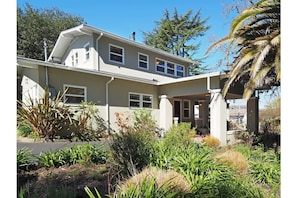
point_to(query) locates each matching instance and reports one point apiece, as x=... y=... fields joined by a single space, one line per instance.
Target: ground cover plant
x=137 y=155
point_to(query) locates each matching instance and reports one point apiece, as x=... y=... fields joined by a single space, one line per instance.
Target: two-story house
x=119 y=74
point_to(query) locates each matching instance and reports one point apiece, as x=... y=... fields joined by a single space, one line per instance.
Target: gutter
x=107 y=104
x=97 y=50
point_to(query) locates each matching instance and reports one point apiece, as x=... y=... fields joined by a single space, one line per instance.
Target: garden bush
x=211 y=141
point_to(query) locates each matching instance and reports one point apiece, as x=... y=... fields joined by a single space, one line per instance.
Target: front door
x=177 y=109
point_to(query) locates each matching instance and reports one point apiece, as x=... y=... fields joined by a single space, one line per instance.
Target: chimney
x=133 y=36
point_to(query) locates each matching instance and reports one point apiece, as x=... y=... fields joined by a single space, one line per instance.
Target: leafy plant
x=47 y=116
x=24 y=130
x=24 y=159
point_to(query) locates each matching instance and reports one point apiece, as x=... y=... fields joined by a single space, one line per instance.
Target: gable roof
x=67 y=36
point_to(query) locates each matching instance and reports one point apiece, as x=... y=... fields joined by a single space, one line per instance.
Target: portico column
x=218 y=116
x=165 y=113
x=253 y=115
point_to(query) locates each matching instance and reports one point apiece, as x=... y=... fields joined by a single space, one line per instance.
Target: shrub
x=153 y=182
x=179 y=134
x=211 y=141
x=132 y=149
x=24 y=159
x=236 y=160
x=47 y=116
x=24 y=130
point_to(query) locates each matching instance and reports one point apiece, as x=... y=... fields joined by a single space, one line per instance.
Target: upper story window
x=160 y=65
x=76 y=58
x=137 y=100
x=75 y=94
x=116 y=54
x=72 y=60
x=170 y=68
x=87 y=51
x=143 y=61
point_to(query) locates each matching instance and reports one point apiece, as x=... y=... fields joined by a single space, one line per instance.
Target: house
x=120 y=74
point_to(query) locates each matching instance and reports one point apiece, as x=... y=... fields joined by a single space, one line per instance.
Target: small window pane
x=73 y=99
x=147 y=105
x=147 y=98
x=186 y=113
x=160 y=62
x=116 y=58
x=160 y=69
x=134 y=97
x=74 y=90
x=142 y=57
x=134 y=104
x=142 y=64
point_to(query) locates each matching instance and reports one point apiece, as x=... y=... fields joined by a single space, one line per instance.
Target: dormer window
x=116 y=54
x=143 y=62
x=87 y=51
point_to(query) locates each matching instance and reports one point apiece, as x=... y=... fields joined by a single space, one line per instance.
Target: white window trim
x=140 y=100
x=165 y=68
x=189 y=109
x=123 y=55
x=74 y=86
x=147 y=62
x=87 y=52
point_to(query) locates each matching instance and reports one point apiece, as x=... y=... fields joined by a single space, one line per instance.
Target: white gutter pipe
x=45 y=59
x=107 y=105
x=97 y=50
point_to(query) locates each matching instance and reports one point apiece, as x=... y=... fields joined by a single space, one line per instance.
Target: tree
x=35 y=25
x=254 y=43
x=173 y=34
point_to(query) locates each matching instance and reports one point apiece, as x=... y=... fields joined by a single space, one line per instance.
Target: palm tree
x=254 y=39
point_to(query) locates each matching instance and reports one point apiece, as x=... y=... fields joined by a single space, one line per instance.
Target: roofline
x=120 y=38
x=27 y=62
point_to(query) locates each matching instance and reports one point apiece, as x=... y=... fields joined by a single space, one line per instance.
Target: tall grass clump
x=154 y=182
x=211 y=141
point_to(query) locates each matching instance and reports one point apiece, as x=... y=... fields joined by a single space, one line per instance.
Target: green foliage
x=90 y=193
x=47 y=117
x=24 y=130
x=24 y=159
x=33 y=25
x=143 y=121
x=85 y=154
x=89 y=124
x=180 y=134
x=132 y=149
x=175 y=34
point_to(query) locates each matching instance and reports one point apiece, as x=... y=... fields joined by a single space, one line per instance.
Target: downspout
x=45 y=59
x=97 y=50
x=107 y=105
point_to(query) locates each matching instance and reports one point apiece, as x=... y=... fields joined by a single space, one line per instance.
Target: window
x=116 y=54
x=137 y=100
x=179 y=71
x=186 y=109
x=87 y=51
x=143 y=61
x=169 y=68
x=76 y=58
x=160 y=65
x=75 y=94
x=72 y=60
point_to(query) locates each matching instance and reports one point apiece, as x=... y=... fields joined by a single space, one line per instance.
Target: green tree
x=254 y=44
x=177 y=34
x=35 y=25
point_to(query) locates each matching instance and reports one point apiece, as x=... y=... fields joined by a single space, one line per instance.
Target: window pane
x=143 y=58
x=134 y=97
x=186 y=113
x=147 y=98
x=74 y=100
x=186 y=104
x=116 y=50
x=142 y=64
x=160 y=62
x=76 y=91
x=147 y=105
x=116 y=58
x=178 y=73
x=160 y=69
x=170 y=66
x=134 y=104
x=87 y=48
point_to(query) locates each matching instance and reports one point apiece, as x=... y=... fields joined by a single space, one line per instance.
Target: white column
x=218 y=116
x=253 y=115
x=165 y=113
